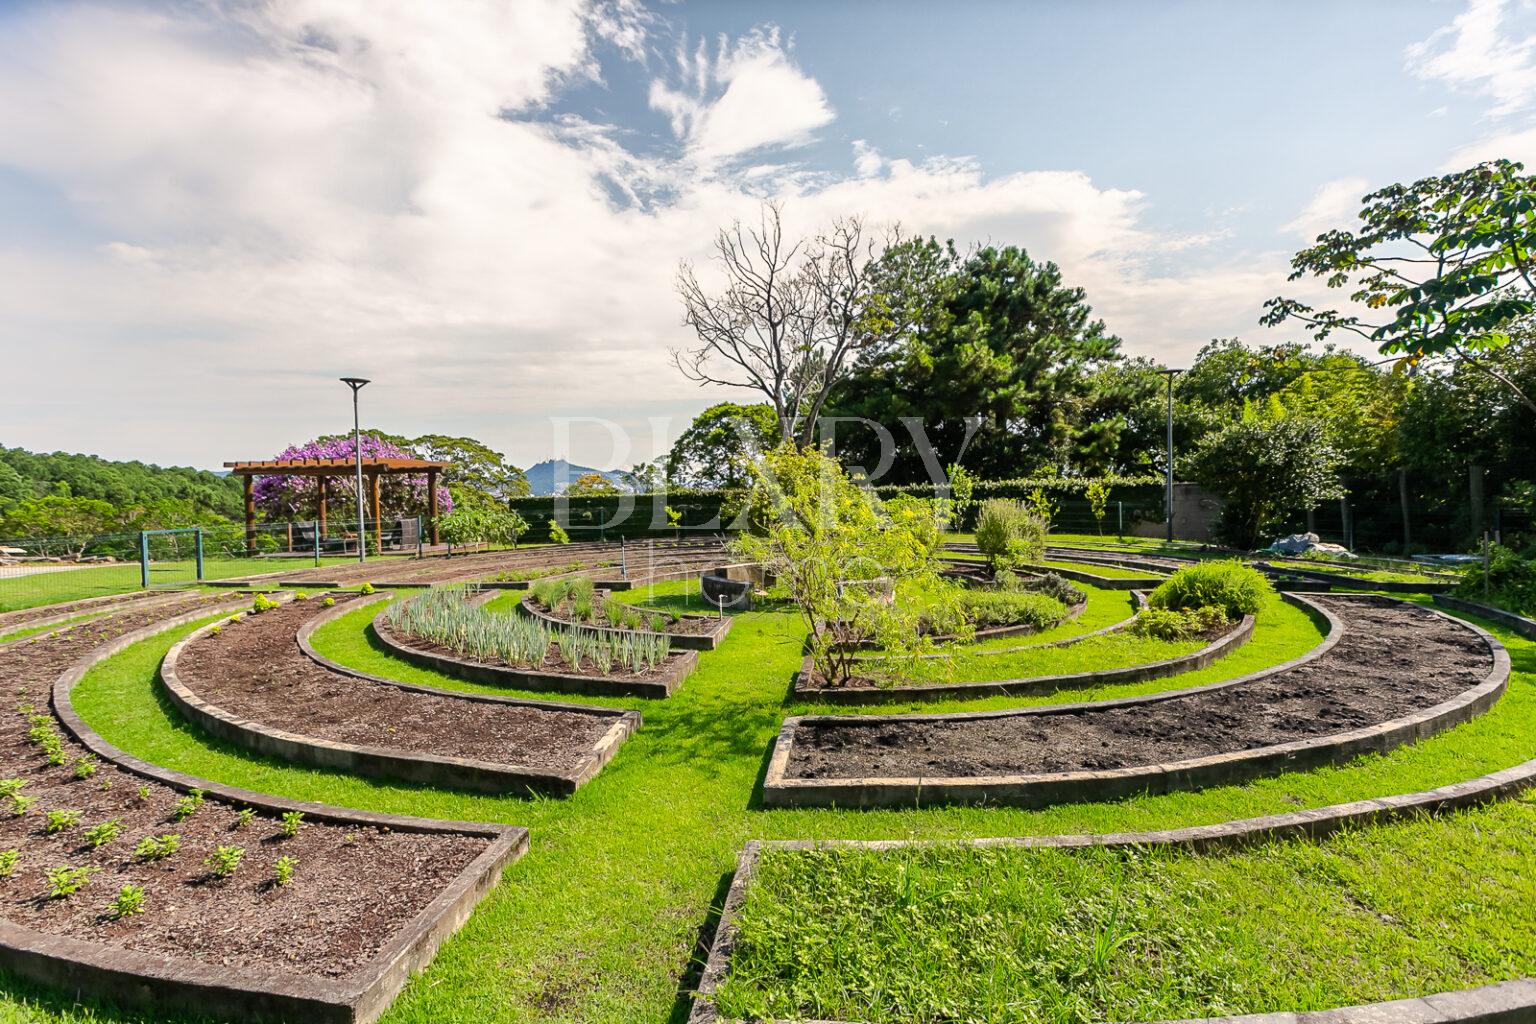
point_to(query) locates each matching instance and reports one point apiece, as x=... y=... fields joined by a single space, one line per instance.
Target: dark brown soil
x=688 y=625
x=10 y=621
x=352 y=890
x=256 y=670
x=1391 y=660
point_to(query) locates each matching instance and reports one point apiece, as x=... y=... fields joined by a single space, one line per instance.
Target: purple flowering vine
x=289 y=498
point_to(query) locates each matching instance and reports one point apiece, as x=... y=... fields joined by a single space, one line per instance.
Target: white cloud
x=749 y=96
x=326 y=186
x=1519 y=146
x=1336 y=204
x=1489 y=49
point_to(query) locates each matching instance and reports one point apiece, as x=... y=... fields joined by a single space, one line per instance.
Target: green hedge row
x=644 y=515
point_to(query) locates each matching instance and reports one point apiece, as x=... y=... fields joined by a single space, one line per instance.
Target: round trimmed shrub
x=1235 y=588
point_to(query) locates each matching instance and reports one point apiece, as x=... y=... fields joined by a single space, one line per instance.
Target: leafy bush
x=8 y=859
x=60 y=820
x=157 y=847
x=1011 y=608
x=187 y=805
x=224 y=860
x=1511 y=581
x=1051 y=585
x=65 y=881
x=1008 y=533
x=129 y=901
x=557 y=533
x=1177 y=623
x=101 y=835
x=284 y=869
x=1235 y=588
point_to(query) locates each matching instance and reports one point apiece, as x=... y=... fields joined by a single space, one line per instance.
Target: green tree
x=993 y=343
x=591 y=484
x=65 y=524
x=1266 y=466
x=712 y=453
x=476 y=465
x=478 y=519
x=1451 y=259
x=837 y=554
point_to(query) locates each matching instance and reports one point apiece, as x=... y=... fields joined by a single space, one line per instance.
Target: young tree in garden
x=1097 y=494
x=790 y=318
x=837 y=553
x=1266 y=466
x=478 y=519
x=1449 y=260
x=713 y=452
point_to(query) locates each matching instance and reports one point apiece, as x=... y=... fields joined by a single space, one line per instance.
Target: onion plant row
x=446 y=617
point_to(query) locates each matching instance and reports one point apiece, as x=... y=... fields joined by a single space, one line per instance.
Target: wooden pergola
x=326 y=470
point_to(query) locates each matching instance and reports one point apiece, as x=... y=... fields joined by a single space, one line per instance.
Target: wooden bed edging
x=389 y=762
x=1344 y=581
x=1509 y=620
x=1192 y=662
x=1041 y=789
x=114 y=973
x=1511 y=1001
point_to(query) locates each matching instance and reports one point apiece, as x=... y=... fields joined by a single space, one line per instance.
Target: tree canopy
x=713 y=451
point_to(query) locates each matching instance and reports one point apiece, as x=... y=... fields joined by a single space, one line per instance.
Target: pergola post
x=378 y=524
x=250 y=516
x=325 y=494
x=432 y=504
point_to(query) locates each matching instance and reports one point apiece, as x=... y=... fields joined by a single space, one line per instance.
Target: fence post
x=200 y=552
x=1402 y=497
x=1485 y=566
x=1498 y=525
x=623 y=559
x=143 y=560
x=1120 y=520
x=316 y=524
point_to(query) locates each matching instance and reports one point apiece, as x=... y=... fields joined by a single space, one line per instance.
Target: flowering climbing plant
x=287 y=498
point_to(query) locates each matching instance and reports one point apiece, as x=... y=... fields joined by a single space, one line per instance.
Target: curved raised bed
x=1510 y=1001
x=1223 y=645
x=678 y=667
x=1219 y=734
x=1509 y=620
x=122 y=964
x=1102 y=582
x=1344 y=581
x=679 y=641
x=298 y=710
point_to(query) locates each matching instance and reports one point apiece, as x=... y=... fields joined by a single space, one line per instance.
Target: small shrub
x=284 y=869
x=55 y=750
x=157 y=847
x=143 y=793
x=557 y=534
x=129 y=901
x=1511 y=581
x=329 y=602
x=291 y=822
x=1177 y=623
x=216 y=630
x=10 y=787
x=243 y=818
x=224 y=860
x=187 y=805
x=366 y=588
x=21 y=804
x=59 y=820
x=8 y=859
x=263 y=603
x=100 y=835
x=1235 y=588
x=1052 y=585
x=66 y=881
x=85 y=766
x=1008 y=533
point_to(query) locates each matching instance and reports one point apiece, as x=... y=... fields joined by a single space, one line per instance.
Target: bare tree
x=791 y=317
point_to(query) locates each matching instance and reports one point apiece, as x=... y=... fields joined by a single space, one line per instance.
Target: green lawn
x=1112 y=572
x=75 y=583
x=1035 y=936
x=599 y=922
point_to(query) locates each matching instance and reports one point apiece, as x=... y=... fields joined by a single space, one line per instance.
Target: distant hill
x=554 y=475
x=25 y=474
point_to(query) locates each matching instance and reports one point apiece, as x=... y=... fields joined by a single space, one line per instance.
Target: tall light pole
x=1168 y=500
x=356 y=384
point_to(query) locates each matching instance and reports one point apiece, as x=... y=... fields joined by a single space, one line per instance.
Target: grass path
x=598 y=923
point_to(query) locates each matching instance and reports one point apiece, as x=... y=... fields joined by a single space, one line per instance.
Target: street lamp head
x=354 y=382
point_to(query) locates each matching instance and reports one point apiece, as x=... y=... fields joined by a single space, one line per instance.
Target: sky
x=209 y=211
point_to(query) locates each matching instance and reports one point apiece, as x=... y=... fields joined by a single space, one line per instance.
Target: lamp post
x=356 y=384
x=1168 y=500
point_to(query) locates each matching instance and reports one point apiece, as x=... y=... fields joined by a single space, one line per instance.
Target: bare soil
x=256 y=670
x=10 y=621
x=1391 y=660
x=353 y=888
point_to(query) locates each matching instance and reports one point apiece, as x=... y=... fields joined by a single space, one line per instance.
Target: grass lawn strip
x=654 y=836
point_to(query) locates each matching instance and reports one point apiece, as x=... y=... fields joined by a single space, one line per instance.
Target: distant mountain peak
x=552 y=476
